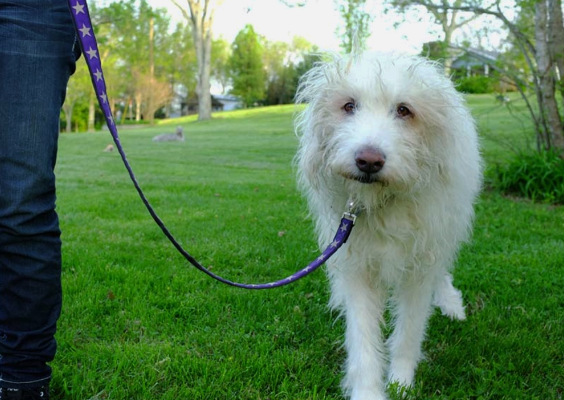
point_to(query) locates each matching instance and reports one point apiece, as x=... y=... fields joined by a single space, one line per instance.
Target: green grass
x=505 y=128
x=139 y=323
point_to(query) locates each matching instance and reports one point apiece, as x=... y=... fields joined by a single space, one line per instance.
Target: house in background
x=184 y=103
x=229 y=101
x=190 y=105
x=479 y=71
x=471 y=62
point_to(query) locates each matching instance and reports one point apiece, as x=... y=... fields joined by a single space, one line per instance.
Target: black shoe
x=40 y=393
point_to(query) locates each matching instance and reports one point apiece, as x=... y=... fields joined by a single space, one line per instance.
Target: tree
x=279 y=73
x=306 y=63
x=200 y=15
x=136 y=39
x=550 y=58
x=448 y=17
x=179 y=63
x=541 y=46
x=221 y=53
x=557 y=40
x=78 y=89
x=284 y=64
x=247 y=69
x=356 y=24
x=150 y=94
x=133 y=36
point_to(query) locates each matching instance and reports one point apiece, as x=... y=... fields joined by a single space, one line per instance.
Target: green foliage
x=282 y=89
x=220 y=55
x=477 y=84
x=536 y=175
x=79 y=118
x=247 y=69
x=285 y=63
x=436 y=50
x=178 y=60
x=280 y=73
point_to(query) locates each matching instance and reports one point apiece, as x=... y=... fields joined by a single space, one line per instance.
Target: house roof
x=226 y=97
x=192 y=100
x=471 y=57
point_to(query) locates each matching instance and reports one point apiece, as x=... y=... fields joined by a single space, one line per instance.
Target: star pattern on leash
x=92 y=53
x=85 y=31
x=78 y=8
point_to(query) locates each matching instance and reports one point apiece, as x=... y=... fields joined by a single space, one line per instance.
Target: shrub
x=536 y=175
x=475 y=84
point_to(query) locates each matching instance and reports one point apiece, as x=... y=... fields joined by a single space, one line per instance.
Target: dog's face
x=376 y=133
x=377 y=122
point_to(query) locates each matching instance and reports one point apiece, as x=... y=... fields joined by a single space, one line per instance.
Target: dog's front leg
x=412 y=307
x=363 y=308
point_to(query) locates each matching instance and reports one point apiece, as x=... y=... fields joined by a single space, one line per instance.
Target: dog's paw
x=402 y=372
x=449 y=299
x=368 y=394
x=453 y=311
x=451 y=305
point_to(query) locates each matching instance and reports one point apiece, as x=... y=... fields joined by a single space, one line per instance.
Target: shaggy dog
x=391 y=133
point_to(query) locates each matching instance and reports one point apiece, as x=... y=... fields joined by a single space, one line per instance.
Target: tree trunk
x=546 y=79
x=91 y=112
x=67 y=109
x=557 y=39
x=557 y=52
x=448 y=52
x=200 y=16
x=204 y=86
x=448 y=28
x=126 y=109
x=202 y=41
x=150 y=108
x=138 y=100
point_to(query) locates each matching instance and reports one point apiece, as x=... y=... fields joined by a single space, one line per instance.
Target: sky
x=316 y=22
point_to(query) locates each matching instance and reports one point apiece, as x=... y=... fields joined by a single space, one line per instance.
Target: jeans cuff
x=24 y=385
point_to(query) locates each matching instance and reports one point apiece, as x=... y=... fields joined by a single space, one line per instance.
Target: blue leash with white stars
x=87 y=40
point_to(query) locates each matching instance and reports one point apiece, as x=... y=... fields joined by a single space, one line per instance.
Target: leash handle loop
x=89 y=45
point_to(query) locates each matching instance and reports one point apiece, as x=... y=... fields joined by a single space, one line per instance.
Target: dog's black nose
x=370 y=160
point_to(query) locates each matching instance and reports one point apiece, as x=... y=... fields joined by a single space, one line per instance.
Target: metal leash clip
x=352 y=211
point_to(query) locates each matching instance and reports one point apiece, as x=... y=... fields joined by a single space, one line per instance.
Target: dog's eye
x=403 y=111
x=349 y=108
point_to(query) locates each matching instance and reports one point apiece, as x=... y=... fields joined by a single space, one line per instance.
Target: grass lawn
x=139 y=323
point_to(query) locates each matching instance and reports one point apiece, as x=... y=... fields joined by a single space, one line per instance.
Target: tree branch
x=182 y=10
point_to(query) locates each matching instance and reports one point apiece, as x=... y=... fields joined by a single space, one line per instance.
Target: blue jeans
x=37 y=56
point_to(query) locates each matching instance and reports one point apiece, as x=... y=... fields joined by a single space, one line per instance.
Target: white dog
x=391 y=133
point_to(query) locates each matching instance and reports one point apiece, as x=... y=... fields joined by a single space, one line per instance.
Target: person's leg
x=36 y=59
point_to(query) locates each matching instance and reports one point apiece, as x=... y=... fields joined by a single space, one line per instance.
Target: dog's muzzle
x=369 y=162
